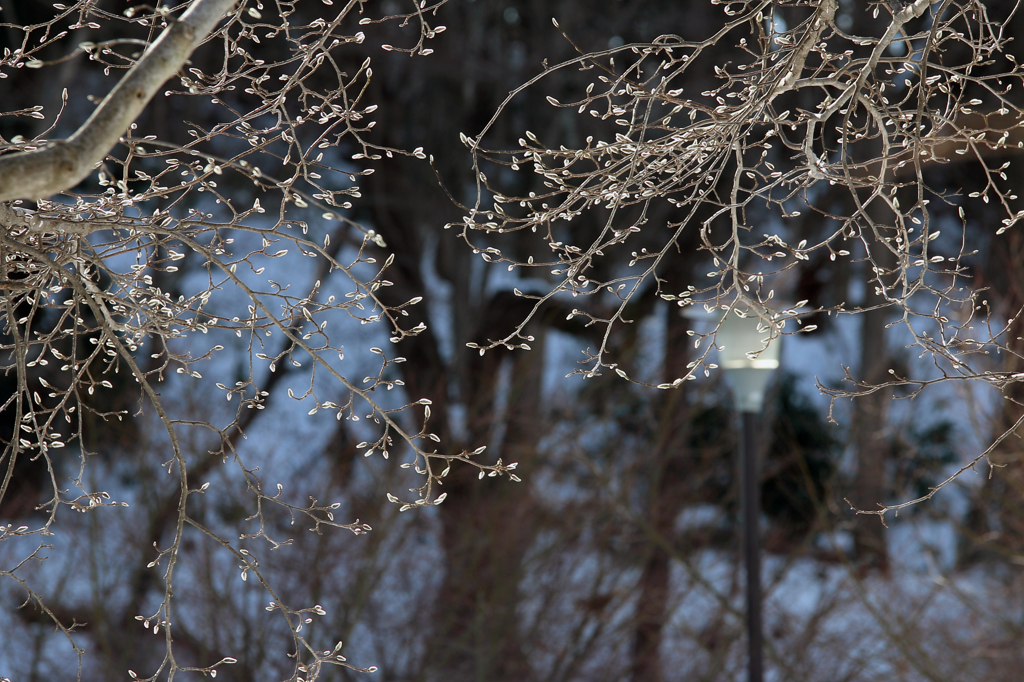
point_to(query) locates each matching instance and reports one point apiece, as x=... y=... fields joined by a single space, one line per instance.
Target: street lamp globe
x=748 y=355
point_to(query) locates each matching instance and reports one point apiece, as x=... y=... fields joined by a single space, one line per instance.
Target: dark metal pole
x=750 y=475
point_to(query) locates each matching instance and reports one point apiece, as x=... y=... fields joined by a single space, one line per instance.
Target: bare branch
x=60 y=165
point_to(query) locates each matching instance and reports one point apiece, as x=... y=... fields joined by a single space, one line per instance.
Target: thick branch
x=63 y=164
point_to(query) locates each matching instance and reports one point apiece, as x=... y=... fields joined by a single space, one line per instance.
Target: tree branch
x=63 y=164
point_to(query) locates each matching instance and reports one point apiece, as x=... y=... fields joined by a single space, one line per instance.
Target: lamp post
x=748 y=358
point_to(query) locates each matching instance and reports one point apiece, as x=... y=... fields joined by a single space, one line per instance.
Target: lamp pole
x=749 y=356
x=750 y=475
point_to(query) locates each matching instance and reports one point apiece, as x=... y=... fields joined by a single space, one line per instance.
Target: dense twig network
x=811 y=141
x=89 y=275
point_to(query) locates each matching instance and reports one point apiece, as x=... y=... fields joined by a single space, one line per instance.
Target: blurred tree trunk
x=489 y=525
x=668 y=496
x=999 y=504
x=869 y=438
